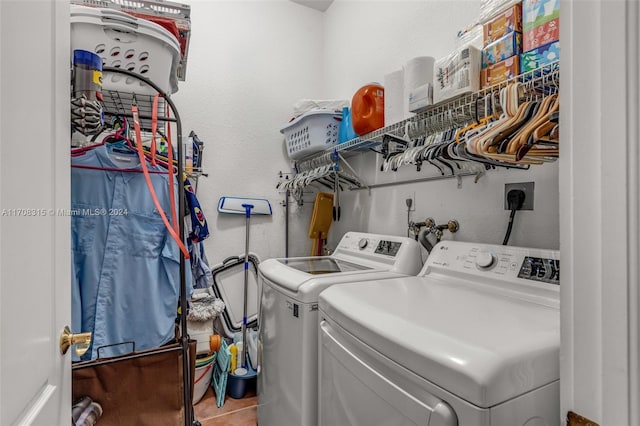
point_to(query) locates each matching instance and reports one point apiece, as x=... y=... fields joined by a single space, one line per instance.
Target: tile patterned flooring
x=234 y=412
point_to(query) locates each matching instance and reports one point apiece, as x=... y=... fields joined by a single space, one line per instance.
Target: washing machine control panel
x=371 y=244
x=540 y=269
x=511 y=263
x=393 y=253
x=389 y=248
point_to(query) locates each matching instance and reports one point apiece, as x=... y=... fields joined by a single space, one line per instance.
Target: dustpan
x=321 y=220
x=246 y=206
x=221 y=372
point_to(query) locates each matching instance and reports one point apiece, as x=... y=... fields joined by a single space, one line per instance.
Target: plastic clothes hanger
x=543 y=128
x=523 y=135
x=499 y=130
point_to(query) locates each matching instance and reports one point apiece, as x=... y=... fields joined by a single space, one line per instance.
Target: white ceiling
x=320 y=5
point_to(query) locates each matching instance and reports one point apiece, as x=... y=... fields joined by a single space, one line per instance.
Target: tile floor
x=234 y=412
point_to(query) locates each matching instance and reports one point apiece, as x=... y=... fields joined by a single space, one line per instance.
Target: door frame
x=599 y=208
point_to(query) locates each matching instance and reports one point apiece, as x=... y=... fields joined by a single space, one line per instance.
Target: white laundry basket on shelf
x=124 y=41
x=312 y=132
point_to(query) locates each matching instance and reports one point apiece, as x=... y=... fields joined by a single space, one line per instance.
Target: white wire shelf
x=460 y=110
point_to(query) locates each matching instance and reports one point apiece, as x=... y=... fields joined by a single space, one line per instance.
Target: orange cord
x=174 y=218
x=154 y=128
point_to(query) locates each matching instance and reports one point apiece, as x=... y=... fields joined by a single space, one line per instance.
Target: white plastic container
x=200 y=331
x=202 y=377
x=312 y=132
x=124 y=41
x=457 y=74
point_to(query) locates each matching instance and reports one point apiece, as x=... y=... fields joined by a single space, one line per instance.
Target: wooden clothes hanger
x=539 y=118
x=535 y=145
x=476 y=144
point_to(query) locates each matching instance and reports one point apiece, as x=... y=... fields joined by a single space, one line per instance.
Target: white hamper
x=312 y=132
x=130 y=43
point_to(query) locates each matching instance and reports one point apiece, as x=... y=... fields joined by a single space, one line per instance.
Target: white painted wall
x=364 y=40
x=249 y=61
x=478 y=207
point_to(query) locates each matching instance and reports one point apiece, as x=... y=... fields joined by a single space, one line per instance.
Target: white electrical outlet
x=412 y=196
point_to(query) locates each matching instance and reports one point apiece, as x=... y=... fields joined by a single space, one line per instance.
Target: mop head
x=204 y=307
x=235 y=205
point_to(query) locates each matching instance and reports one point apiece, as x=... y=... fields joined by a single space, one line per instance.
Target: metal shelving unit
x=119 y=104
x=184 y=338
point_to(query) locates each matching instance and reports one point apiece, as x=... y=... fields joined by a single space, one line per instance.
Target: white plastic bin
x=312 y=132
x=124 y=41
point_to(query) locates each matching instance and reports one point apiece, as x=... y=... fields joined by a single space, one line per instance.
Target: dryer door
x=357 y=389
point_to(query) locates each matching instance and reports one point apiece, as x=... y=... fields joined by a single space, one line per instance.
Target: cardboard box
x=540 y=56
x=541 y=35
x=492 y=8
x=457 y=74
x=502 y=71
x=538 y=12
x=508 y=21
x=506 y=47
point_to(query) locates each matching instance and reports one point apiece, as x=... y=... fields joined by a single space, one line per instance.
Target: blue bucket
x=237 y=386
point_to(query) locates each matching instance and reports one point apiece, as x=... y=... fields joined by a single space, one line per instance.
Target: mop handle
x=247 y=208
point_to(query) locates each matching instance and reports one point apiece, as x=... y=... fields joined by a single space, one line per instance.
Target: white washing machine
x=473 y=340
x=288 y=332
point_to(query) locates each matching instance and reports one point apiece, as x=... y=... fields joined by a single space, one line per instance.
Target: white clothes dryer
x=288 y=321
x=473 y=340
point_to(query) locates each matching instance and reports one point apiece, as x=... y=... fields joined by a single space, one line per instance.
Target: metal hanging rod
x=459 y=176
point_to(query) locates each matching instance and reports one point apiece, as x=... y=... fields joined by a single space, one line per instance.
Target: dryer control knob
x=363 y=243
x=485 y=260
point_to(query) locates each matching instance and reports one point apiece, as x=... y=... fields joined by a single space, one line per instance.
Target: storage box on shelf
x=541 y=22
x=539 y=57
x=502 y=71
x=501 y=49
x=539 y=12
x=508 y=21
x=544 y=34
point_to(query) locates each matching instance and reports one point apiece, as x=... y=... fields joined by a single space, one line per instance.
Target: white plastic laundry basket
x=312 y=132
x=124 y=41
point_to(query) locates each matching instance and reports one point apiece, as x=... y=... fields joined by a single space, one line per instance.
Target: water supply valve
x=421 y=230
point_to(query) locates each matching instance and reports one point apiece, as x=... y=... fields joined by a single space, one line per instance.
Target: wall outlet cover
x=412 y=196
x=527 y=187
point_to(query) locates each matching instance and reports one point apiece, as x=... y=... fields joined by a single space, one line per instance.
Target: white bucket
x=202 y=380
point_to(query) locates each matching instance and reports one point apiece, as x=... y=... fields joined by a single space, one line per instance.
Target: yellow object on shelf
x=234 y=357
x=321 y=220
